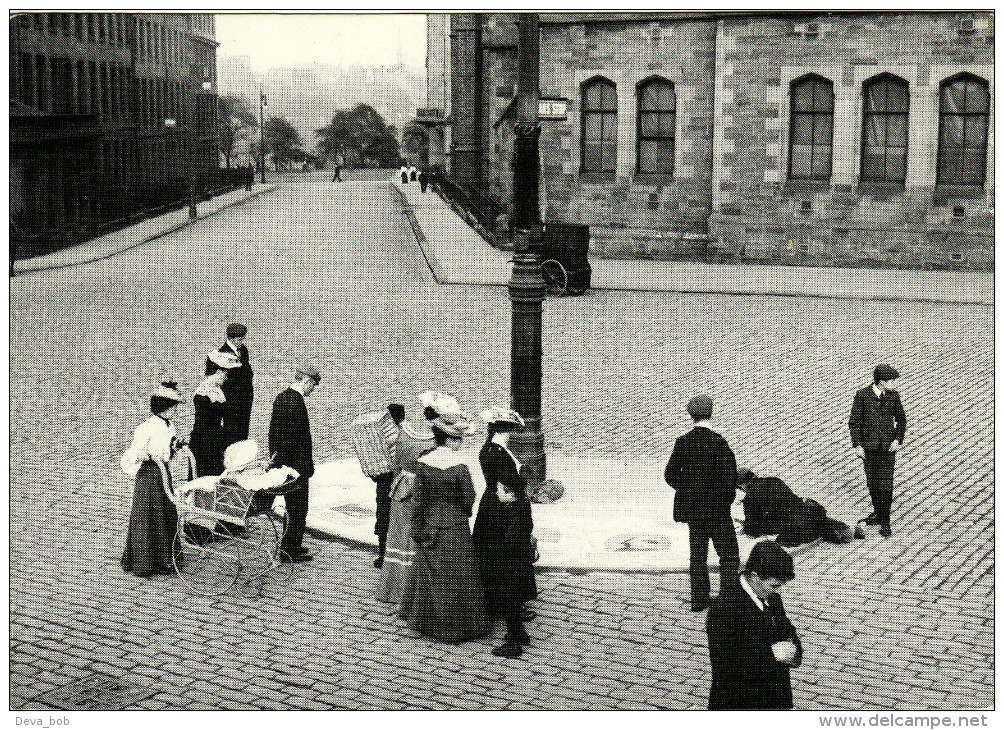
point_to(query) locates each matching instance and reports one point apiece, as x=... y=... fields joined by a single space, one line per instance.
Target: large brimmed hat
x=168 y=389
x=502 y=415
x=239 y=454
x=452 y=424
x=224 y=360
x=439 y=402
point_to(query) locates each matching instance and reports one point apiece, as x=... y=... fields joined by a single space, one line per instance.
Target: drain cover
x=97 y=692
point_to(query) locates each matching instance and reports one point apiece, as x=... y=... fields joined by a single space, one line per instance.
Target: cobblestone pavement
x=331 y=274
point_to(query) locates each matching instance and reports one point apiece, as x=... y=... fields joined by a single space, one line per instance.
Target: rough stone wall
x=630 y=214
x=760 y=215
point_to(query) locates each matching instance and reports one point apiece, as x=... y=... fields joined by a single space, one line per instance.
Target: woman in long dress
x=414 y=439
x=153 y=519
x=503 y=531
x=209 y=439
x=445 y=597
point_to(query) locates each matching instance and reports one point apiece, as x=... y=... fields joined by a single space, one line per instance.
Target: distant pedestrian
x=153 y=518
x=209 y=437
x=751 y=642
x=423 y=180
x=404 y=174
x=503 y=530
x=412 y=173
x=238 y=386
x=702 y=471
x=445 y=597
x=338 y=170
x=414 y=439
x=290 y=444
x=878 y=427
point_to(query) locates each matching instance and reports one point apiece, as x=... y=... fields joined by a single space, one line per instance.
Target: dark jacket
x=208 y=440
x=502 y=531
x=769 y=506
x=442 y=497
x=744 y=673
x=876 y=422
x=289 y=433
x=702 y=470
x=239 y=391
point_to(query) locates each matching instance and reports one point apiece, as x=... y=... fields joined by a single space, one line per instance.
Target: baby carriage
x=223 y=534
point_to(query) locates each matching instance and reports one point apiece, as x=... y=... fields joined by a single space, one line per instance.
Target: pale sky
x=275 y=40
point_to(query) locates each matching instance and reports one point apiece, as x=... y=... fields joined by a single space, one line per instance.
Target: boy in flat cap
x=751 y=642
x=878 y=426
x=238 y=388
x=702 y=471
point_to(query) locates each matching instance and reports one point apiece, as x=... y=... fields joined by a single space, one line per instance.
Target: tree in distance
x=362 y=137
x=283 y=142
x=236 y=121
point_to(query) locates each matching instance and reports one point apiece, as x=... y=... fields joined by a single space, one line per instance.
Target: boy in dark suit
x=702 y=471
x=751 y=642
x=238 y=387
x=290 y=444
x=878 y=426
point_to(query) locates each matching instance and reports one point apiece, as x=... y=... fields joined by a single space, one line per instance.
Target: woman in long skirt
x=414 y=439
x=445 y=597
x=209 y=439
x=153 y=519
x=503 y=531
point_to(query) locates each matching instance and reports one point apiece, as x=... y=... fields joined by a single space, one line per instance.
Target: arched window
x=962 y=139
x=811 y=129
x=656 y=127
x=884 y=130
x=599 y=126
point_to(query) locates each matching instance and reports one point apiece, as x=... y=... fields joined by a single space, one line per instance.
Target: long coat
x=239 y=391
x=702 y=471
x=502 y=532
x=209 y=439
x=744 y=673
x=289 y=433
x=876 y=422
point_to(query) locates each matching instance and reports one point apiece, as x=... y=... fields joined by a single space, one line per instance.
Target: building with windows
x=109 y=113
x=847 y=138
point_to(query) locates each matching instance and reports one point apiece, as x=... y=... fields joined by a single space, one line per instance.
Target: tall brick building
x=109 y=113
x=846 y=138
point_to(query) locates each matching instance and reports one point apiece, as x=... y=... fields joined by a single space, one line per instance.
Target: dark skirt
x=505 y=553
x=153 y=523
x=444 y=597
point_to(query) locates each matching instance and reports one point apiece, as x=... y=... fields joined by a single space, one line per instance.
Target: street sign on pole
x=552 y=109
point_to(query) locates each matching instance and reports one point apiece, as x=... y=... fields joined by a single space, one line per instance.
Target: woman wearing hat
x=414 y=440
x=153 y=520
x=502 y=531
x=444 y=597
x=209 y=439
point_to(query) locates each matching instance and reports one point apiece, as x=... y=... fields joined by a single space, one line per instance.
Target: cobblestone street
x=331 y=274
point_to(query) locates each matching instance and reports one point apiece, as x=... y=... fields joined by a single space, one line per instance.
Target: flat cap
x=236 y=329
x=769 y=560
x=310 y=372
x=700 y=406
x=885 y=372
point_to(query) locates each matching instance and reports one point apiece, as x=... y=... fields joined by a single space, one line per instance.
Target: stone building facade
x=854 y=139
x=107 y=110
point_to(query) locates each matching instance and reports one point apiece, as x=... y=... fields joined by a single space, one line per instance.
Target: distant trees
x=415 y=140
x=362 y=136
x=284 y=142
x=236 y=121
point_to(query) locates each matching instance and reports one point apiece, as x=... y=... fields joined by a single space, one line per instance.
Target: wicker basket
x=232 y=501
x=370 y=440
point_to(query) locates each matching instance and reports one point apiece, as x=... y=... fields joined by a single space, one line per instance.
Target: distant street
x=331 y=274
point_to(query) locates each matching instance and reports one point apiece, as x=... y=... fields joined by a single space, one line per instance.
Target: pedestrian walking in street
x=385 y=481
x=404 y=174
x=414 y=439
x=445 y=597
x=878 y=427
x=423 y=180
x=290 y=444
x=209 y=438
x=238 y=387
x=751 y=642
x=412 y=173
x=702 y=471
x=153 y=519
x=503 y=538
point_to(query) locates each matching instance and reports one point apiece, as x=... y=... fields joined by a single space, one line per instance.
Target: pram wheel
x=205 y=558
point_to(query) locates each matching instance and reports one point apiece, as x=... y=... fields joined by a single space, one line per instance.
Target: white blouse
x=151 y=440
